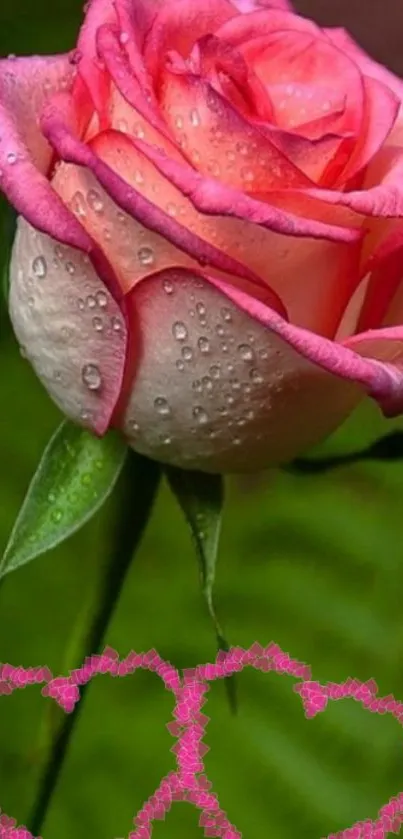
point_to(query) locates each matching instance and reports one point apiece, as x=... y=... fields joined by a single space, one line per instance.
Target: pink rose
x=210 y=238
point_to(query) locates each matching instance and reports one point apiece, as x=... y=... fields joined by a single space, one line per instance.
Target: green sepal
x=75 y=476
x=201 y=498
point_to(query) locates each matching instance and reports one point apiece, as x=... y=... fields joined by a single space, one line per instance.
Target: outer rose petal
x=216 y=390
x=382 y=379
x=25 y=84
x=65 y=319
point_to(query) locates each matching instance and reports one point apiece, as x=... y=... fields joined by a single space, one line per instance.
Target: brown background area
x=376 y=24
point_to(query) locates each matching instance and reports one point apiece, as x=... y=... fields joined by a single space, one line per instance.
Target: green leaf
x=75 y=476
x=201 y=498
x=8 y=221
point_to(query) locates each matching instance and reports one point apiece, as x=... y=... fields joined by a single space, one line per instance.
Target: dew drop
x=166 y=440
x=256 y=377
x=78 y=204
x=224 y=347
x=161 y=405
x=179 y=122
x=101 y=299
x=70 y=268
x=215 y=371
x=187 y=353
x=200 y=414
x=168 y=287
x=194 y=117
x=179 y=331
x=91 y=376
x=180 y=365
x=116 y=324
x=91 y=302
x=56 y=516
x=39 y=267
x=197 y=386
x=263 y=353
x=201 y=309
x=207 y=383
x=134 y=426
x=226 y=315
x=235 y=384
x=246 y=352
x=145 y=256
x=80 y=303
x=220 y=329
x=204 y=345
x=124 y=38
x=236 y=441
x=97 y=323
x=11 y=158
x=172 y=210
x=95 y=201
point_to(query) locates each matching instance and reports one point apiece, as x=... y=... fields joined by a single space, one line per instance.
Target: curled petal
x=68 y=326
x=216 y=388
x=100 y=12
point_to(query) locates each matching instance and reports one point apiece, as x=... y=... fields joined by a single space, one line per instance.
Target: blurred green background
x=315 y=563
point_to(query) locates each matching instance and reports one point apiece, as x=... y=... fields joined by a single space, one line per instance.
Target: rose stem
x=135 y=495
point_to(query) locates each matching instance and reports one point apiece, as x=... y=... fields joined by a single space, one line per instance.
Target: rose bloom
x=210 y=238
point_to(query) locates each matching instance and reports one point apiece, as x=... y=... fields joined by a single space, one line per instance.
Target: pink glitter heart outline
x=189 y=782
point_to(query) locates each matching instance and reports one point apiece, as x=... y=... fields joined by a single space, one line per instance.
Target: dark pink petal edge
x=210 y=196
x=383 y=381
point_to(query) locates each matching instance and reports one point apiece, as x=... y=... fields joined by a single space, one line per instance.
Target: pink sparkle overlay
x=189 y=781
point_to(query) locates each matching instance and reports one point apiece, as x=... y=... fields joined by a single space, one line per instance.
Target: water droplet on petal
x=98 y=324
x=70 y=268
x=101 y=299
x=246 y=352
x=116 y=324
x=168 y=287
x=194 y=117
x=91 y=376
x=95 y=201
x=78 y=204
x=187 y=353
x=215 y=371
x=124 y=38
x=204 y=345
x=208 y=384
x=200 y=414
x=200 y=309
x=180 y=365
x=91 y=302
x=145 y=256
x=39 y=267
x=226 y=315
x=11 y=158
x=256 y=377
x=161 y=405
x=179 y=331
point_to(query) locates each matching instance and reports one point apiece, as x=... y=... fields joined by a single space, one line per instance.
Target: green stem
x=136 y=492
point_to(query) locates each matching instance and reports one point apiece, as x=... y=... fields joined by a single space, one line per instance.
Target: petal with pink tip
x=100 y=12
x=220 y=391
x=68 y=326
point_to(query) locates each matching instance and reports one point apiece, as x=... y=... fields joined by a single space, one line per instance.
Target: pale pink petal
x=68 y=326
x=359 y=359
x=243 y=28
x=216 y=389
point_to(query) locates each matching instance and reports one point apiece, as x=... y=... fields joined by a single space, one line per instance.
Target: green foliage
x=75 y=476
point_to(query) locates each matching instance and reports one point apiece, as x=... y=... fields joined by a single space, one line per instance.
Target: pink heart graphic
x=189 y=781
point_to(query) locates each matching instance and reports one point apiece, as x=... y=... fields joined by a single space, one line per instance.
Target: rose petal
x=343 y=40
x=365 y=359
x=242 y=28
x=179 y=24
x=25 y=84
x=69 y=327
x=91 y=71
x=317 y=298
x=218 y=391
x=219 y=140
x=129 y=199
x=380 y=114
